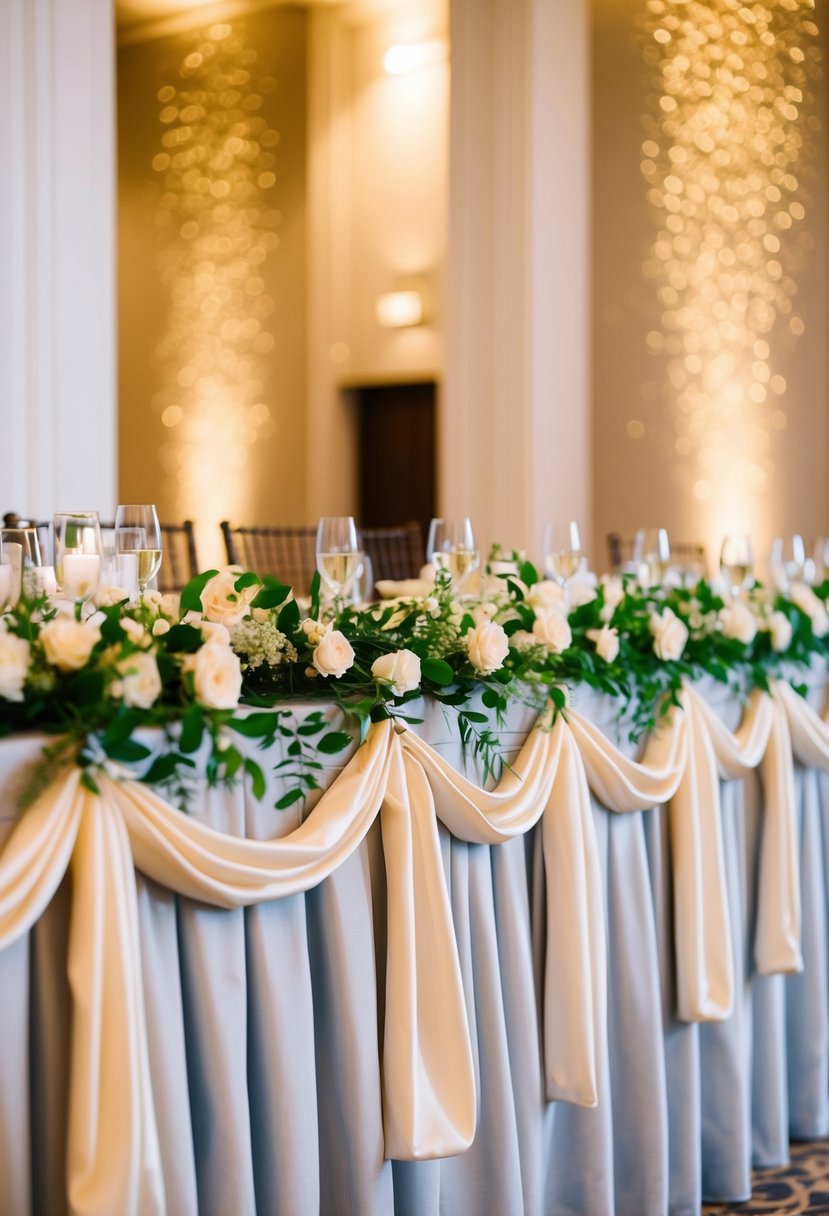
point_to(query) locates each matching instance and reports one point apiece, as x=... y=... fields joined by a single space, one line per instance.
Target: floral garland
x=236 y=640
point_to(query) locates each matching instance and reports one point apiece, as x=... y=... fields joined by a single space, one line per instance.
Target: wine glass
x=736 y=562
x=451 y=547
x=27 y=561
x=820 y=559
x=787 y=561
x=363 y=592
x=562 y=551
x=651 y=555
x=338 y=555
x=78 y=554
x=138 y=543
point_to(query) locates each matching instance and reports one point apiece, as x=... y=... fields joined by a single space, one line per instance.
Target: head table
x=599 y=987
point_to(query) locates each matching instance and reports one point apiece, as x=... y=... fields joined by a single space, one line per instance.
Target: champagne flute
x=820 y=559
x=338 y=555
x=138 y=543
x=787 y=561
x=451 y=547
x=363 y=592
x=78 y=554
x=736 y=562
x=563 y=554
x=651 y=555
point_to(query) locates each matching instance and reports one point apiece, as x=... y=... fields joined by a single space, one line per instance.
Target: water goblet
x=78 y=554
x=787 y=561
x=451 y=547
x=338 y=556
x=563 y=554
x=736 y=563
x=138 y=543
x=651 y=555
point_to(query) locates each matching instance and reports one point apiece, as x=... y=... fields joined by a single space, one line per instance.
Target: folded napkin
x=406 y=588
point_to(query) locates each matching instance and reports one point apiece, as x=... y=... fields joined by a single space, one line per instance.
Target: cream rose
x=553 y=629
x=669 y=635
x=482 y=613
x=606 y=641
x=333 y=655
x=221 y=601
x=212 y=631
x=400 y=670
x=140 y=683
x=108 y=596
x=582 y=590
x=160 y=627
x=136 y=633
x=545 y=596
x=614 y=593
x=487 y=646
x=780 y=628
x=217 y=675
x=737 y=621
x=68 y=643
x=14 y=665
x=809 y=603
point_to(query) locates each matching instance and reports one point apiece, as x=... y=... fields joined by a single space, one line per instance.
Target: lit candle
x=43 y=581
x=81 y=572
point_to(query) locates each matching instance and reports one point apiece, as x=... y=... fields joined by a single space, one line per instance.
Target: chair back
x=396 y=552
x=285 y=551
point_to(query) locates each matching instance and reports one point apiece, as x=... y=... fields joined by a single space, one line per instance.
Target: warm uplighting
x=728 y=143
x=217 y=224
x=399 y=309
x=410 y=56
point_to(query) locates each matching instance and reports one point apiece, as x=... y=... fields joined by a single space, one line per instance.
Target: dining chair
x=285 y=551
x=396 y=551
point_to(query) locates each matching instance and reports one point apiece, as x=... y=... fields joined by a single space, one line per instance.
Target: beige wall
x=758 y=468
x=236 y=446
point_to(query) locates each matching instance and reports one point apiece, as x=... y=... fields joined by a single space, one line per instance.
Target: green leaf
x=558 y=696
x=528 y=573
x=333 y=742
x=256 y=726
x=288 y=619
x=231 y=759
x=163 y=767
x=316 y=581
x=271 y=595
x=190 y=600
x=248 y=579
x=126 y=750
x=490 y=698
x=472 y=715
x=437 y=670
x=121 y=726
x=310 y=727
x=182 y=639
x=289 y=799
x=88 y=782
x=257 y=778
x=192 y=729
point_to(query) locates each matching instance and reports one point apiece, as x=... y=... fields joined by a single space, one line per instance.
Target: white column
x=57 y=282
x=515 y=418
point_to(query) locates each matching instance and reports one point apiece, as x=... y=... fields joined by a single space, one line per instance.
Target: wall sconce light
x=399 y=309
x=409 y=56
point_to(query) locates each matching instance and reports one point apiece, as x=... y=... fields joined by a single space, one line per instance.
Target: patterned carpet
x=802 y=1186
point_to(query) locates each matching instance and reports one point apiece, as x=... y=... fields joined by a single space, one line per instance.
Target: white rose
x=606 y=641
x=154 y=600
x=221 y=601
x=333 y=655
x=136 y=633
x=487 y=646
x=581 y=590
x=780 y=628
x=553 y=629
x=108 y=596
x=160 y=626
x=14 y=665
x=737 y=621
x=400 y=670
x=482 y=613
x=212 y=631
x=545 y=596
x=522 y=639
x=217 y=676
x=669 y=635
x=140 y=683
x=614 y=593
x=809 y=603
x=68 y=643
